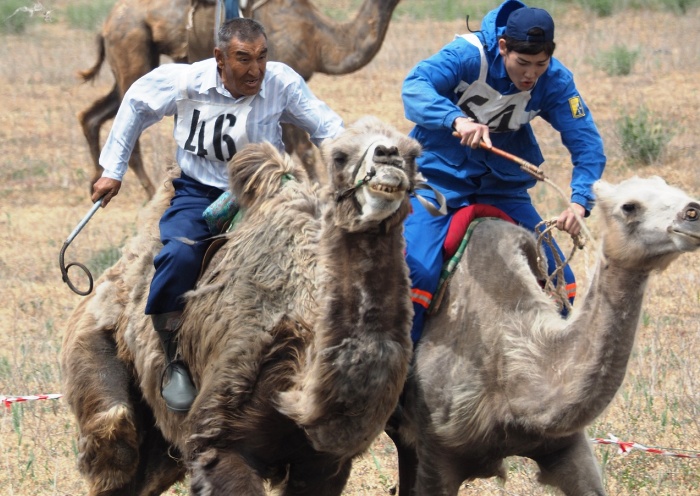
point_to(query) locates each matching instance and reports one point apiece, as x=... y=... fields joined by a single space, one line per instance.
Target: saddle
x=220 y=216
x=461 y=220
x=458 y=233
x=224 y=212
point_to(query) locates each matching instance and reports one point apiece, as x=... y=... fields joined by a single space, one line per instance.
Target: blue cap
x=522 y=20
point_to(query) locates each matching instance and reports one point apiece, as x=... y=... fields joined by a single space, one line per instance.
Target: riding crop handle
x=69 y=239
x=526 y=166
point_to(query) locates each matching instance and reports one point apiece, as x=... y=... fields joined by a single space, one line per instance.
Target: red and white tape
x=9 y=400
x=624 y=447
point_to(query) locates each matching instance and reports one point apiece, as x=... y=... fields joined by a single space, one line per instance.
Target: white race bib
x=213 y=131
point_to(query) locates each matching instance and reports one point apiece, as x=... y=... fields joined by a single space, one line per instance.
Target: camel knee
x=215 y=471
x=136 y=165
x=109 y=448
x=573 y=469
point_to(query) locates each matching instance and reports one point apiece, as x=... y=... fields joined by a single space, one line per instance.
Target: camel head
x=372 y=170
x=648 y=223
x=259 y=171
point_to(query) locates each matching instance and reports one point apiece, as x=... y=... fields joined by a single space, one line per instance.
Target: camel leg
x=439 y=472
x=316 y=477
x=121 y=452
x=572 y=469
x=158 y=468
x=296 y=140
x=136 y=165
x=160 y=463
x=91 y=120
x=216 y=471
x=407 y=459
x=97 y=388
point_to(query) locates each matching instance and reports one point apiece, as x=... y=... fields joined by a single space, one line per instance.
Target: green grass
x=437 y=10
x=602 y=8
x=643 y=137
x=103 y=260
x=88 y=15
x=618 y=61
x=17 y=15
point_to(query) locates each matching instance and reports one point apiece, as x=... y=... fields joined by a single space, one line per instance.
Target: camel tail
x=91 y=73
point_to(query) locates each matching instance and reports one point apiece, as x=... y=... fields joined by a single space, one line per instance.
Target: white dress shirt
x=206 y=115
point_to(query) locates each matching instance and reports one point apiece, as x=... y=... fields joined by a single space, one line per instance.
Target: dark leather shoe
x=179 y=392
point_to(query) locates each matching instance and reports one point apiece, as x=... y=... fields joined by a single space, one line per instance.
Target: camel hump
x=259 y=171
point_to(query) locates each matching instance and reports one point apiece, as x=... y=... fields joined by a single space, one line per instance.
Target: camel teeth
x=384 y=189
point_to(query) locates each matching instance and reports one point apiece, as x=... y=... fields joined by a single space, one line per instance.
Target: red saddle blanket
x=461 y=220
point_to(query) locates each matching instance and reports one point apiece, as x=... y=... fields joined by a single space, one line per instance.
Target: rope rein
x=544 y=232
x=558 y=289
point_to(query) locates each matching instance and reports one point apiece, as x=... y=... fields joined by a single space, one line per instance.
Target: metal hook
x=71 y=237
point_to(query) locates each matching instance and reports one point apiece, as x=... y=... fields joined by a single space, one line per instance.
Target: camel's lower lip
x=691 y=235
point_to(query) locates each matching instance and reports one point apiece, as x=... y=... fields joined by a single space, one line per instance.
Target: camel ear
x=659 y=180
x=602 y=189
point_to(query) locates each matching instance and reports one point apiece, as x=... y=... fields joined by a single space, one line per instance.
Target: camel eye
x=340 y=159
x=629 y=208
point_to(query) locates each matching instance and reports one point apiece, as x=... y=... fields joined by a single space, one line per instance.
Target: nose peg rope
x=370 y=174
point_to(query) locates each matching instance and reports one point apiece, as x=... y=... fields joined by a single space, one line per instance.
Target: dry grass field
x=44 y=170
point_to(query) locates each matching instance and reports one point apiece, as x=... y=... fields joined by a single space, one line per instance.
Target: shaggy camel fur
x=297 y=336
x=137 y=32
x=499 y=373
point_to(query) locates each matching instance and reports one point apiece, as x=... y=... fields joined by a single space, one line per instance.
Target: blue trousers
x=179 y=262
x=231 y=8
x=425 y=235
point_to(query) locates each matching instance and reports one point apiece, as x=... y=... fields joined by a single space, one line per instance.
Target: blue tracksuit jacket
x=466 y=175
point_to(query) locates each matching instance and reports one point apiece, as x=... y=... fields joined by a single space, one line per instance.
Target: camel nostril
x=692 y=214
x=385 y=151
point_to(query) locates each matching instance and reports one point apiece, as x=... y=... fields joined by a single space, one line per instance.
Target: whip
x=534 y=171
x=69 y=239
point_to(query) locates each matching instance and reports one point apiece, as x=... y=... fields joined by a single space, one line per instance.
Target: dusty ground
x=44 y=168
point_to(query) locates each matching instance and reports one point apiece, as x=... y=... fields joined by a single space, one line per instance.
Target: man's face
x=243 y=66
x=523 y=69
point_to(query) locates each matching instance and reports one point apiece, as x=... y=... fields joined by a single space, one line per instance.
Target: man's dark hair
x=530 y=47
x=240 y=28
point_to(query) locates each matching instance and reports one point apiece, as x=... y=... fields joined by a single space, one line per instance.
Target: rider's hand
x=107 y=188
x=567 y=221
x=470 y=132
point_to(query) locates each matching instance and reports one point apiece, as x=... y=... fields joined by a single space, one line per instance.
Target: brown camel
x=297 y=336
x=137 y=32
x=499 y=373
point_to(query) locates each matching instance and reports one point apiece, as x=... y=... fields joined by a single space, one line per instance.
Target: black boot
x=178 y=392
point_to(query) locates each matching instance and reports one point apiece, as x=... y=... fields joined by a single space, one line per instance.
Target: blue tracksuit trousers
x=231 y=8
x=179 y=262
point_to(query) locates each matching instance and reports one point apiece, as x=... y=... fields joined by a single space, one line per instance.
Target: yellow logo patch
x=576 y=107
